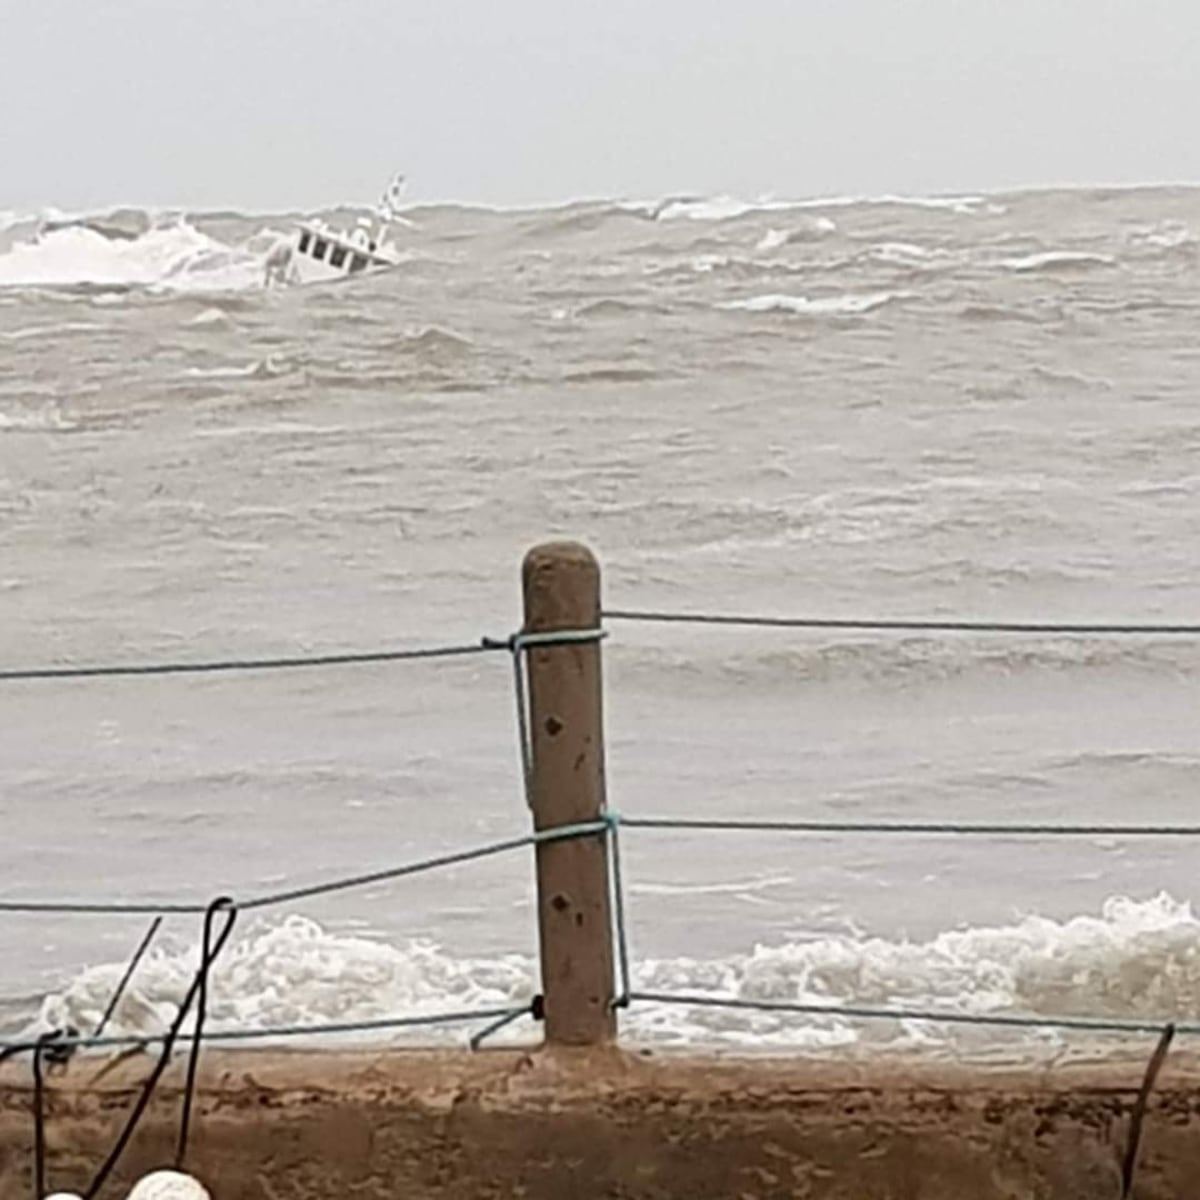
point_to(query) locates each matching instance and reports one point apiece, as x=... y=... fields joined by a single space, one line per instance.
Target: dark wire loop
x=1138 y=1116
x=209 y=954
x=223 y=904
x=41 y=1052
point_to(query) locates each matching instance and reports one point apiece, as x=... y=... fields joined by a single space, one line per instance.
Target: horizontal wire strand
x=381 y=1024
x=559 y=833
x=1100 y=629
x=868 y=1012
x=907 y=828
x=248 y=664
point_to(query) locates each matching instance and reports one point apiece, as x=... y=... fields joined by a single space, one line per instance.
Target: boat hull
x=321 y=255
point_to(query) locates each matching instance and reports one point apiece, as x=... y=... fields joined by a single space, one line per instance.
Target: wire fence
x=490 y=1020
x=884 y=625
x=225 y=666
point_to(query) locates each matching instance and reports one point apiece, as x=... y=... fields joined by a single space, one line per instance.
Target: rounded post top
x=559 y=554
x=561 y=582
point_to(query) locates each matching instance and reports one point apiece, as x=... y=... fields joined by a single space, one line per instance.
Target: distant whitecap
x=820 y=306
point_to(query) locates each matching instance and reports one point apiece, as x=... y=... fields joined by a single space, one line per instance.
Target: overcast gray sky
x=280 y=103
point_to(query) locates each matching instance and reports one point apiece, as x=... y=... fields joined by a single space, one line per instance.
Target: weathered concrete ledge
x=555 y=1126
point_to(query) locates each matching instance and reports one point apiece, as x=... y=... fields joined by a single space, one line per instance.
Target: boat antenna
x=388 y=203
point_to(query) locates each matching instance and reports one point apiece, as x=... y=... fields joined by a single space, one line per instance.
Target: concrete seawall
x=561 y=1125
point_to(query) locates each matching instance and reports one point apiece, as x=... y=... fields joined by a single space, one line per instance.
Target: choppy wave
x=711 y=264
x=172 y=257
x=613 y=374
x=726 y=207
x=1136 y=958
x=805 y=230
x=1058 y=260
x=270 y=367
x=999 y=313
x=901 y=254
x=773 y=239
x=59 y=329
x=46 y=419
x=821 y=306
x=211 y=318
x=714 y=208
x=960 y=205
x=613 y=307
x=584 y=217
x=899 y=662
x=433 y=345
x=1168 y=238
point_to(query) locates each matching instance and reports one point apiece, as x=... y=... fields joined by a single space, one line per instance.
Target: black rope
x=1138 y=1117
x=189 y=1089
x=39 y=1113
x=221 y=904
x=57 y=1053
x=143 y=946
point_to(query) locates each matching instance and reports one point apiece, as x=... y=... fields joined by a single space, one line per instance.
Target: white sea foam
x=295 y=972
x=821 y=306
x=773 y=239
x=725 y=207
x=270 y=367
x=59 y=329
x=1171 y=235
x=173 y=257
x=1136 y=958
x=717 y=208
x=1056 y=260
x=211 y=318
x=807 y=229
x=962 y=205
x=903 y=254
x=47 y=419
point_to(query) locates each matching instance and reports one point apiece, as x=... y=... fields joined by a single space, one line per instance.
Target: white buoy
x=168 y=1185
x=64 y=1196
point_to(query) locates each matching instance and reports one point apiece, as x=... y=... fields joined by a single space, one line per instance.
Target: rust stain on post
x=561 y=582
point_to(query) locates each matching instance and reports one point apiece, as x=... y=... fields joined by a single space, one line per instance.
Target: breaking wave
x=169 y=257
x=1135 y=958
x=900 y=254
x=46 y=419
x=1057 y=260
x=270 y=367
x=961 y=205
x=822 y=306
x=726 y=207
x=807 y=229
x=1168 y=238
x=715 y=208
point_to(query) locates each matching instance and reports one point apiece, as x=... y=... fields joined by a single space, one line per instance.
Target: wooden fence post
x=561 y=583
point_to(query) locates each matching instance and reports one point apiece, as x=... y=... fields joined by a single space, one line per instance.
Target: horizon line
x=781 y=200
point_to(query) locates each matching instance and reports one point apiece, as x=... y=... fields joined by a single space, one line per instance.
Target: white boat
x=320 y=253
x=317 y=252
